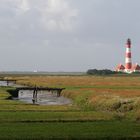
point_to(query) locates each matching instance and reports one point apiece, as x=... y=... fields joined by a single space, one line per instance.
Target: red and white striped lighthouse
x=128 y=62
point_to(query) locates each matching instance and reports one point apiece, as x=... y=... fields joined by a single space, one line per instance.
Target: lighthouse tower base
x=128 y=71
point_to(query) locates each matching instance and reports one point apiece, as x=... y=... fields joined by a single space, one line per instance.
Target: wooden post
x=35 y=95
x=58 y=93
x=7 y=83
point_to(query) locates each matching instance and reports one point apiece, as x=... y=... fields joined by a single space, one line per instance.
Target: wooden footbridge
x=57 y=90
x=36 y=89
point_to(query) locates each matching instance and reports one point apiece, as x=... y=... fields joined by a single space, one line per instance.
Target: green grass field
x=103 y=108
x=71 y=130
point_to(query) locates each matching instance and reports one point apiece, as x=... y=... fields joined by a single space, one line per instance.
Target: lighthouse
x=128 y=67
x=128 y=61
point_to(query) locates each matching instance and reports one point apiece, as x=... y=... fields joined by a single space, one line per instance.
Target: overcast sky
x=67 y=35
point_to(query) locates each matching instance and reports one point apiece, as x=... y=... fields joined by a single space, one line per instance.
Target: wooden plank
x=7 y=80
x=39 y=88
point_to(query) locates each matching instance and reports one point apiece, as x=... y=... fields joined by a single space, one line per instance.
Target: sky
x=67 y=35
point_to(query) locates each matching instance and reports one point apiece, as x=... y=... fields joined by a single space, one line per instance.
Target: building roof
x=136 y=67
x=120 y=67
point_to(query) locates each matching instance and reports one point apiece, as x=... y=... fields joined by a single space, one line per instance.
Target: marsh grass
x=76 y=130
x=103 y=108
x=106 y=93
x=55 y=116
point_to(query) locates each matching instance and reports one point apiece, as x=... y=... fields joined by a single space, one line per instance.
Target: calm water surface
x=43 y=98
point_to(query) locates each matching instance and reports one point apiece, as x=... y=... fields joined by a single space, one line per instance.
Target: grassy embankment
x=103 y=107
x=119 y=94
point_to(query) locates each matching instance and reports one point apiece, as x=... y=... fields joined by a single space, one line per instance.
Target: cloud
x=22 y=5
x=58 y=15
x=53 y=15
x=39 y=15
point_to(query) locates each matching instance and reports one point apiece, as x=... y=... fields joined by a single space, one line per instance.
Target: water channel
x=4 y=83
x=43 y=97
